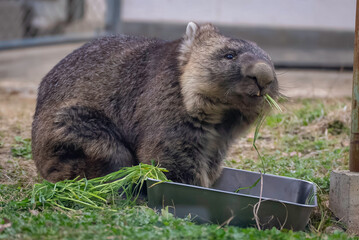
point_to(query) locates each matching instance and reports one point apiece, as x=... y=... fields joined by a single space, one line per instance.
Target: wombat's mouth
x=259 y=95
x=255 y=100
x=249 y=96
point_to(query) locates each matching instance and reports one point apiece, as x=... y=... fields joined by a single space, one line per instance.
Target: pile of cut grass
x=95 y=193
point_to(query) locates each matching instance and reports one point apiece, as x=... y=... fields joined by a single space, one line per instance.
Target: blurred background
x=310 y=41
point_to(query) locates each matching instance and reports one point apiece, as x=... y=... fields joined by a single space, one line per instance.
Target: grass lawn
x=306 y=141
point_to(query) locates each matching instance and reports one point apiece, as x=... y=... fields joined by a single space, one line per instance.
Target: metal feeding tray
x=286 y=202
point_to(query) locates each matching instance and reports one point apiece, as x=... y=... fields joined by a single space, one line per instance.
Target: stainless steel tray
x=286 y=202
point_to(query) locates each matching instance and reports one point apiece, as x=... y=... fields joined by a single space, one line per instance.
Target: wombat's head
x=221 y=73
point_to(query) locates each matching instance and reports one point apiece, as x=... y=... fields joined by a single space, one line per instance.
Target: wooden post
x=354 y=138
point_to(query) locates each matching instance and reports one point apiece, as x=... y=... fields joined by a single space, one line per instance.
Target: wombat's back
x=93 y=70
x=90 y=98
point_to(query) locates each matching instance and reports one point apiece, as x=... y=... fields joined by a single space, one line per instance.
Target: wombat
x=119 y=101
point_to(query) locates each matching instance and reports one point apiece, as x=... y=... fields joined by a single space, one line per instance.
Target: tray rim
x=315 y=204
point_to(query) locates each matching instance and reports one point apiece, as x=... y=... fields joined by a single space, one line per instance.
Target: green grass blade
x=250 y=187
x=272 y=102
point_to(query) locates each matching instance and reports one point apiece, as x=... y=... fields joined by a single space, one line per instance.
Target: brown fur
x=121 y=100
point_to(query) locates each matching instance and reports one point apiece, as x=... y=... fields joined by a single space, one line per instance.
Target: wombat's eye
x=229 y=56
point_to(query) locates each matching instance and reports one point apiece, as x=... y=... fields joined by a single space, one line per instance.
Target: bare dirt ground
x=15 y=120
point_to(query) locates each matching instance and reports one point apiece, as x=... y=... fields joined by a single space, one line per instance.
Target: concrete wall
x=10 y=23
x=303 y=14
x=296 y=33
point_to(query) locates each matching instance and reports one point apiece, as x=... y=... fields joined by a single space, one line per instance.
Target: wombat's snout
x=261 y=72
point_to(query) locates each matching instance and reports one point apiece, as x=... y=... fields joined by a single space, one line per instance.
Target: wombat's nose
x=262 y=72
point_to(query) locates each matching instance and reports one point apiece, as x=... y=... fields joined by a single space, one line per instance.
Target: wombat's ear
x=187 y=42
x=191 y=31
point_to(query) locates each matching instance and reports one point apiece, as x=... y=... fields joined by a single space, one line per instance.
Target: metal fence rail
x=40 y=22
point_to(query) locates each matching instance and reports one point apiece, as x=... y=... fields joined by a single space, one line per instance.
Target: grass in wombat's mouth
x=96 y=192
x=274 y=105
